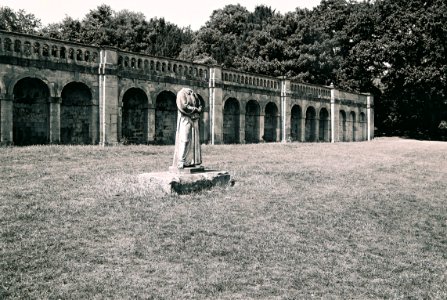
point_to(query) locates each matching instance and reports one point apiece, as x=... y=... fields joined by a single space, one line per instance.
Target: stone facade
x=53 y=91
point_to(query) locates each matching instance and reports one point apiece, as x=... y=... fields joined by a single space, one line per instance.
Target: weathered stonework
x=183 y=183
x=61 y=92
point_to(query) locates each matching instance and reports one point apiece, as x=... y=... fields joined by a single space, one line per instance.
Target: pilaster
x=370 y=116
x=333 y=114
x=303 y=128
x=335 y=119
x=151 y=125
x=206 y=126
x=94 y=128
x=261 y=126
x=216 y=107
x=279 y=129
x=317 y=129
x=242 y=127
x=6 y=122
x=108 y=97
x=285 y=109
x=55 y=120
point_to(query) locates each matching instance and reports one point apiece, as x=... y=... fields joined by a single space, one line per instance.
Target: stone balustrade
x=309 y=91
x=231 y=77
x=39 y=48
x=351 y=98
x=146 y=64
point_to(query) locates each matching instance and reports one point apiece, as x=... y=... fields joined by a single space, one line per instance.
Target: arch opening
x=353 y=127
x=310 y=125
x=252 y=115
x=231 y=119
x=363 y=127
x=31 y=112
x=134 y=122
x=76 y=114
x=323 y=127
x=202 y=123
x=271 y=122
x=342 y=126
x=295 y=123
x=165 y=118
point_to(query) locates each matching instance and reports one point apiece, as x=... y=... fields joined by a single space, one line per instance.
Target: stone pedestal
x=187 y=170
x=184 y=181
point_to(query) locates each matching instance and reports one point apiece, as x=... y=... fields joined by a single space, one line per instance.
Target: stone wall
x=59 y=92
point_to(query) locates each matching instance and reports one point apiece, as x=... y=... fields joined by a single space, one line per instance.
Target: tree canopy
x=18 y=21
x=125 y=30
x=395 y=49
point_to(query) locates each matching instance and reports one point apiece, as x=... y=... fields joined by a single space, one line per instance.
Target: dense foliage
x=395 y=49
x=124 y=29
x=18 y=21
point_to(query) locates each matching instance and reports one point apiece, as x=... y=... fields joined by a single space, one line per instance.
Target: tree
x=395 y=49
x=99 y=27
x=19 y=21
x=221 y=37
x=125 y=30
x=166 y=39
x=69 y=30
x=412 y=48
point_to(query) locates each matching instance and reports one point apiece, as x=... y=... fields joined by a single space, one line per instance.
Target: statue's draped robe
x=187 y=140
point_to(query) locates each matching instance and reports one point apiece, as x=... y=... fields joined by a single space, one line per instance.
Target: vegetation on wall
x=395 y=49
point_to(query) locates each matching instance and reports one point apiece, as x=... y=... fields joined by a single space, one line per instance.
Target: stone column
x=261 y=126
x=333 y=114
x=6 y=121
x=303 y=127
x=119 y=123
x=39 y=50
x=285 y=109
x=55 y=120
x=151 y=124
x=335 y=110
x=317 y=128
x=206 y=122
x=108 y=97
x=348 y=126
x=216 y=107
x=94 y=121
x=370 y=116
x=279 y=129
x=242 y=127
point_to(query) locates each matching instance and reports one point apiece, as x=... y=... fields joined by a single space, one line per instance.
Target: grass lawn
x=363 y=220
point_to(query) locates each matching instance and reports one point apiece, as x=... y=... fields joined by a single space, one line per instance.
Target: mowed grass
x=363 y=220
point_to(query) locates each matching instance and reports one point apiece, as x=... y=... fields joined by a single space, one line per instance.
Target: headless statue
x=187 y=140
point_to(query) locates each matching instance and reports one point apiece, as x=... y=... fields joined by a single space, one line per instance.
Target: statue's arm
x=187 y=105
x=183 y=105
x=198 y=106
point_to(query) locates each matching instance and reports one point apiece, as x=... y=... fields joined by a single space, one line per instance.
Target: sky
x=193 y=13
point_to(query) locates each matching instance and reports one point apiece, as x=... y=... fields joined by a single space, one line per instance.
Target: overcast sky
x=184 y=13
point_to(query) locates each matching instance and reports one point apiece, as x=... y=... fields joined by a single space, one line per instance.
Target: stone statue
x=187 y=140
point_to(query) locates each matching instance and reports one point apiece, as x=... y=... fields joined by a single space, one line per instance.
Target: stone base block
x=184 y=183
x=187 y=170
